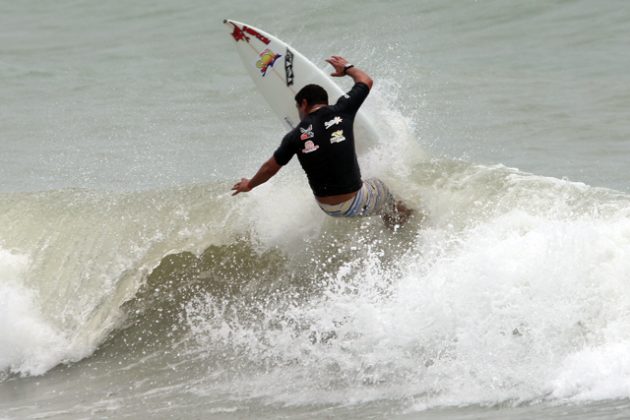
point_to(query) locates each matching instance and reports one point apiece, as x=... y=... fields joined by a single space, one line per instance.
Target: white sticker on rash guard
x=332 y=122
x=337 y=137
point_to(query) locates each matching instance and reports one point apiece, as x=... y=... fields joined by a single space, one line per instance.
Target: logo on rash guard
x=337 y=137
x=307 y=133
x=267 y=60
x=332 y=122
x=309 y=147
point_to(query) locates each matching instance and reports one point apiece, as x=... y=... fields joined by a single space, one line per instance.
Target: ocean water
x=133 y=285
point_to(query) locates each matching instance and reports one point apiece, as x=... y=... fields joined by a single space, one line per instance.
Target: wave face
x=512 y=288
x=69 y=260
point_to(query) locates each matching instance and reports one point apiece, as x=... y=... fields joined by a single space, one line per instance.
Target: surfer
x=324 y=144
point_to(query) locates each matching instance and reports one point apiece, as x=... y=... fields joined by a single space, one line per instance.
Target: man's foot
x=398 y=217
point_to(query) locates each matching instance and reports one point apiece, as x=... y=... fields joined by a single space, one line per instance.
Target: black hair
x=314 y=94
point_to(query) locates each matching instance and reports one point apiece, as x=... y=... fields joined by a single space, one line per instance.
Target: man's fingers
x=241 y=186
x=334 y=61
x=337 y=59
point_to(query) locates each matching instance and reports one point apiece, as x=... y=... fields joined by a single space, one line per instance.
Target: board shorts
x=374 y=198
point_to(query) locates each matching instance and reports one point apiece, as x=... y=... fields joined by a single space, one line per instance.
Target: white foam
x=282 y=212
x=28 y=343
x=519 y=294
x=594 y=373
x=515 y=308
x=398 y=150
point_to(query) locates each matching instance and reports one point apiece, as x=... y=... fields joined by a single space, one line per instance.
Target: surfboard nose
x=232 y=22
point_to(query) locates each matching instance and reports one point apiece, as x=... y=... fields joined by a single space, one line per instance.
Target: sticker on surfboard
x=267 y=59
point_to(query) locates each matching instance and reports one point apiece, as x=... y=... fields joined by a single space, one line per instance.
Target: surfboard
x=279 y=71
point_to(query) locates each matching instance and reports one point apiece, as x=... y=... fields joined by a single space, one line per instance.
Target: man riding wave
x=324 y=144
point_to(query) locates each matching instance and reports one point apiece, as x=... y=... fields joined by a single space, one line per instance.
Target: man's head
x=309 y=96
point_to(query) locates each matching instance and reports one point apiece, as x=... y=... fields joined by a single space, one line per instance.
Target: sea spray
x=481 y=312
x=29 y=344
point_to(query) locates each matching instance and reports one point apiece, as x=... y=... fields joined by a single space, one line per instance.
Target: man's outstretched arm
x=266 y=171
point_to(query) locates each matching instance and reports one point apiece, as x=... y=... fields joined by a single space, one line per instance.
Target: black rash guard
x=324 y=144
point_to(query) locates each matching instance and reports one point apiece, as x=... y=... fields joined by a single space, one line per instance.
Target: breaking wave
x=505 y=286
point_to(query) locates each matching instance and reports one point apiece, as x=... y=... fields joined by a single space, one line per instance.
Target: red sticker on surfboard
x=240 y=34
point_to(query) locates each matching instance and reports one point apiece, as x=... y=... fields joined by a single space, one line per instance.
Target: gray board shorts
x=374 y=198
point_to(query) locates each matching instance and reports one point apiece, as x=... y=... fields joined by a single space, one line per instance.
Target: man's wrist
x=347 y=67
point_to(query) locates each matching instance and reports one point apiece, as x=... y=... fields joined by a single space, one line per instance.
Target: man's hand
x=338 y=63
x=266 y=171
x=241 y=186
x=358 y=75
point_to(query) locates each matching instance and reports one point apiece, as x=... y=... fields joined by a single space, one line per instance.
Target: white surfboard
x=279 y=72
